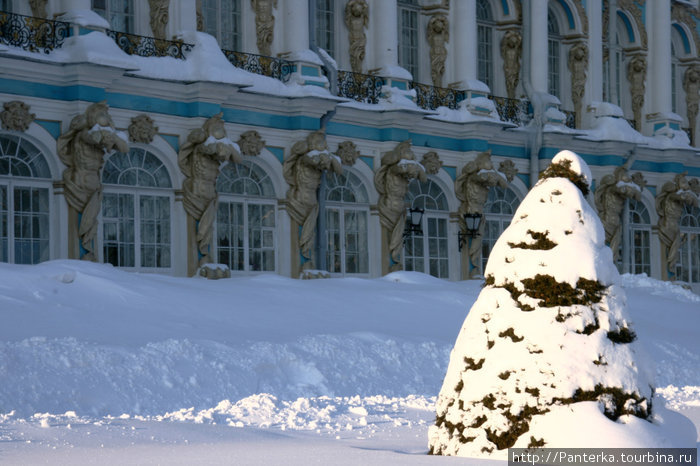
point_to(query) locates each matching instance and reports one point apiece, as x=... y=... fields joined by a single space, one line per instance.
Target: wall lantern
x=414 y=222
x=473 y=222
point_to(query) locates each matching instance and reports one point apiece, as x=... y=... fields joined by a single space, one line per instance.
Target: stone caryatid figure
x=399 y=167
x=302 y=171
x=82 y=149
x=356 y=20
x=691 y=86
x=636 y=75
x=610 y=196
x=199 y=159
x=159 y=17
x=511 y=52
x=38 y=8
x=578 y=66
x=200 y=15
x=15 y=116
x=472 y=189
x=669 y=205
x=438 y=34
x=264 y=24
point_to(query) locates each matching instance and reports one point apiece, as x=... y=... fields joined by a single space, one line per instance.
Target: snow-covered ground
x=101 y=366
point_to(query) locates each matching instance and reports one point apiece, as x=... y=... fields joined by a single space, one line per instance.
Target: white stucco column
x=594 y=84
x=384 y=21
x=659 y=67
x=464 y=36
x=183 y=16
x=296 y=25
x=538 y=44
x=594 y=79
x=657 y=116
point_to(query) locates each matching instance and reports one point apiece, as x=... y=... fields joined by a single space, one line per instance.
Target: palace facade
x=295 y=136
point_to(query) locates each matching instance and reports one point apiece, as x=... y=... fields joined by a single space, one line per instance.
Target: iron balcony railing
x=430 y=97
x=143 y=46
x=516 y=111
x=360 y=87
x=32 y=34
x=272 y=67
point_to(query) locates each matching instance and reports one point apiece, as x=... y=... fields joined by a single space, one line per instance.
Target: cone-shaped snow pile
x=547 y=344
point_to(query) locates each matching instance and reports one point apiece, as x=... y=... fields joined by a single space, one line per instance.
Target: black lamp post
x=413 y=222
x=473 y=222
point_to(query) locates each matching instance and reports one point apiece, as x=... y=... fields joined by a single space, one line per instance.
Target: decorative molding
x=431 y=162
x=16 y=116
x=264 y=24
x=681 y=13
x=348 y=153
x=356 y=20
x=438 y=34
x=200 y=16
x=142 y=129
x=251 y=143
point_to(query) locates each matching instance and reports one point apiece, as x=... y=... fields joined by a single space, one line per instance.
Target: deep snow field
x=101 y=366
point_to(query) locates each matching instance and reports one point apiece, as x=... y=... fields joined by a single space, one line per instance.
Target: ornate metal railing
x=430 y=97
x=272 y=67
x=32 y=34
x=143 y=46
x=361 y=87
x=514 y=111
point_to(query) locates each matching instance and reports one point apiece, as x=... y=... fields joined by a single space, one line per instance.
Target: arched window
x=325 y=25
x=639 y=238
x=136 y=211
x=498 y=212
x=25 y=180
x=408 y=35
x=118 y=13
x=554 y=55
x=485 y=26
x=612 y=70
x=347 y=209
x=245 y=220
x=222 y=19
x=688 y=267
x=428 y=252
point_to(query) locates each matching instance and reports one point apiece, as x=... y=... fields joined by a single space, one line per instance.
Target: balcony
x=271 y=67
x=32 y=34
x=143 y=46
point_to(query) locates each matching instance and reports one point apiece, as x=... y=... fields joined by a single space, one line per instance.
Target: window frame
x=502 y=219
x=689 y=256
x=236 y=35
x=246 y=200
x=11 y=182
x=109 y=12
x=137 y=191
x=488 y=26
x=439 y=215
x=413 y=65
x=342 y=207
